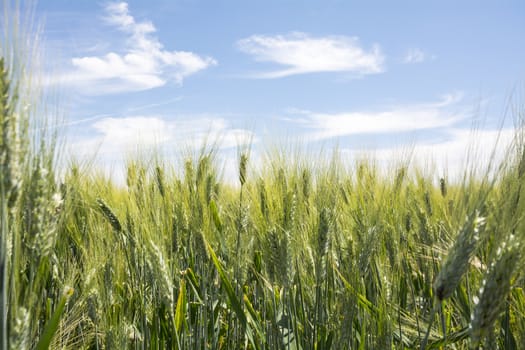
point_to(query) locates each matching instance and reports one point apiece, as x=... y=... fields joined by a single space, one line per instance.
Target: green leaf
x=232 y=297
x=53 y=323
x=234 y=301
x=215 y=215
x=180 y=310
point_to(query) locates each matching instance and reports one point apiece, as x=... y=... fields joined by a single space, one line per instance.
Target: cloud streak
x=144 y=65
x=301 y=53
x=392 y=120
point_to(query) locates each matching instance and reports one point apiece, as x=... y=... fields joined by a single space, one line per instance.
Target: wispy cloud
x=389 y=120
x=114 y=137
x=301 y=53
x=415 y=55
x=145 y=64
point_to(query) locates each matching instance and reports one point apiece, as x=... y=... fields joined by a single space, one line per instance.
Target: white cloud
x=116 y=137
x=144 y=65
x=133 y=131
x=391 y=120
x=415 y=55
x=302 y=53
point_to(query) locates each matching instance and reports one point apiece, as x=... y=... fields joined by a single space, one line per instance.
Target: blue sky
x=376 y=76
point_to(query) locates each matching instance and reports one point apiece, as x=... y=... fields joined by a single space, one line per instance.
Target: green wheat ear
x=9 y=136
x=494 y=291
x=4 y=108
x=110 y=215
x=457 y=261
x=243 y=162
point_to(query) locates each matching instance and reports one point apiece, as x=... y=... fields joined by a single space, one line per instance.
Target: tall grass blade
x=54 y=322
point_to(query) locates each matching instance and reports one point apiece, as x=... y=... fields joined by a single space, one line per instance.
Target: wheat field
x=291 y=256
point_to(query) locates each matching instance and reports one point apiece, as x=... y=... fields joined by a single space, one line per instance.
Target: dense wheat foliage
x=295 y=255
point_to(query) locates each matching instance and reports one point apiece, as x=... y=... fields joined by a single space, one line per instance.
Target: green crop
x=293 y=255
